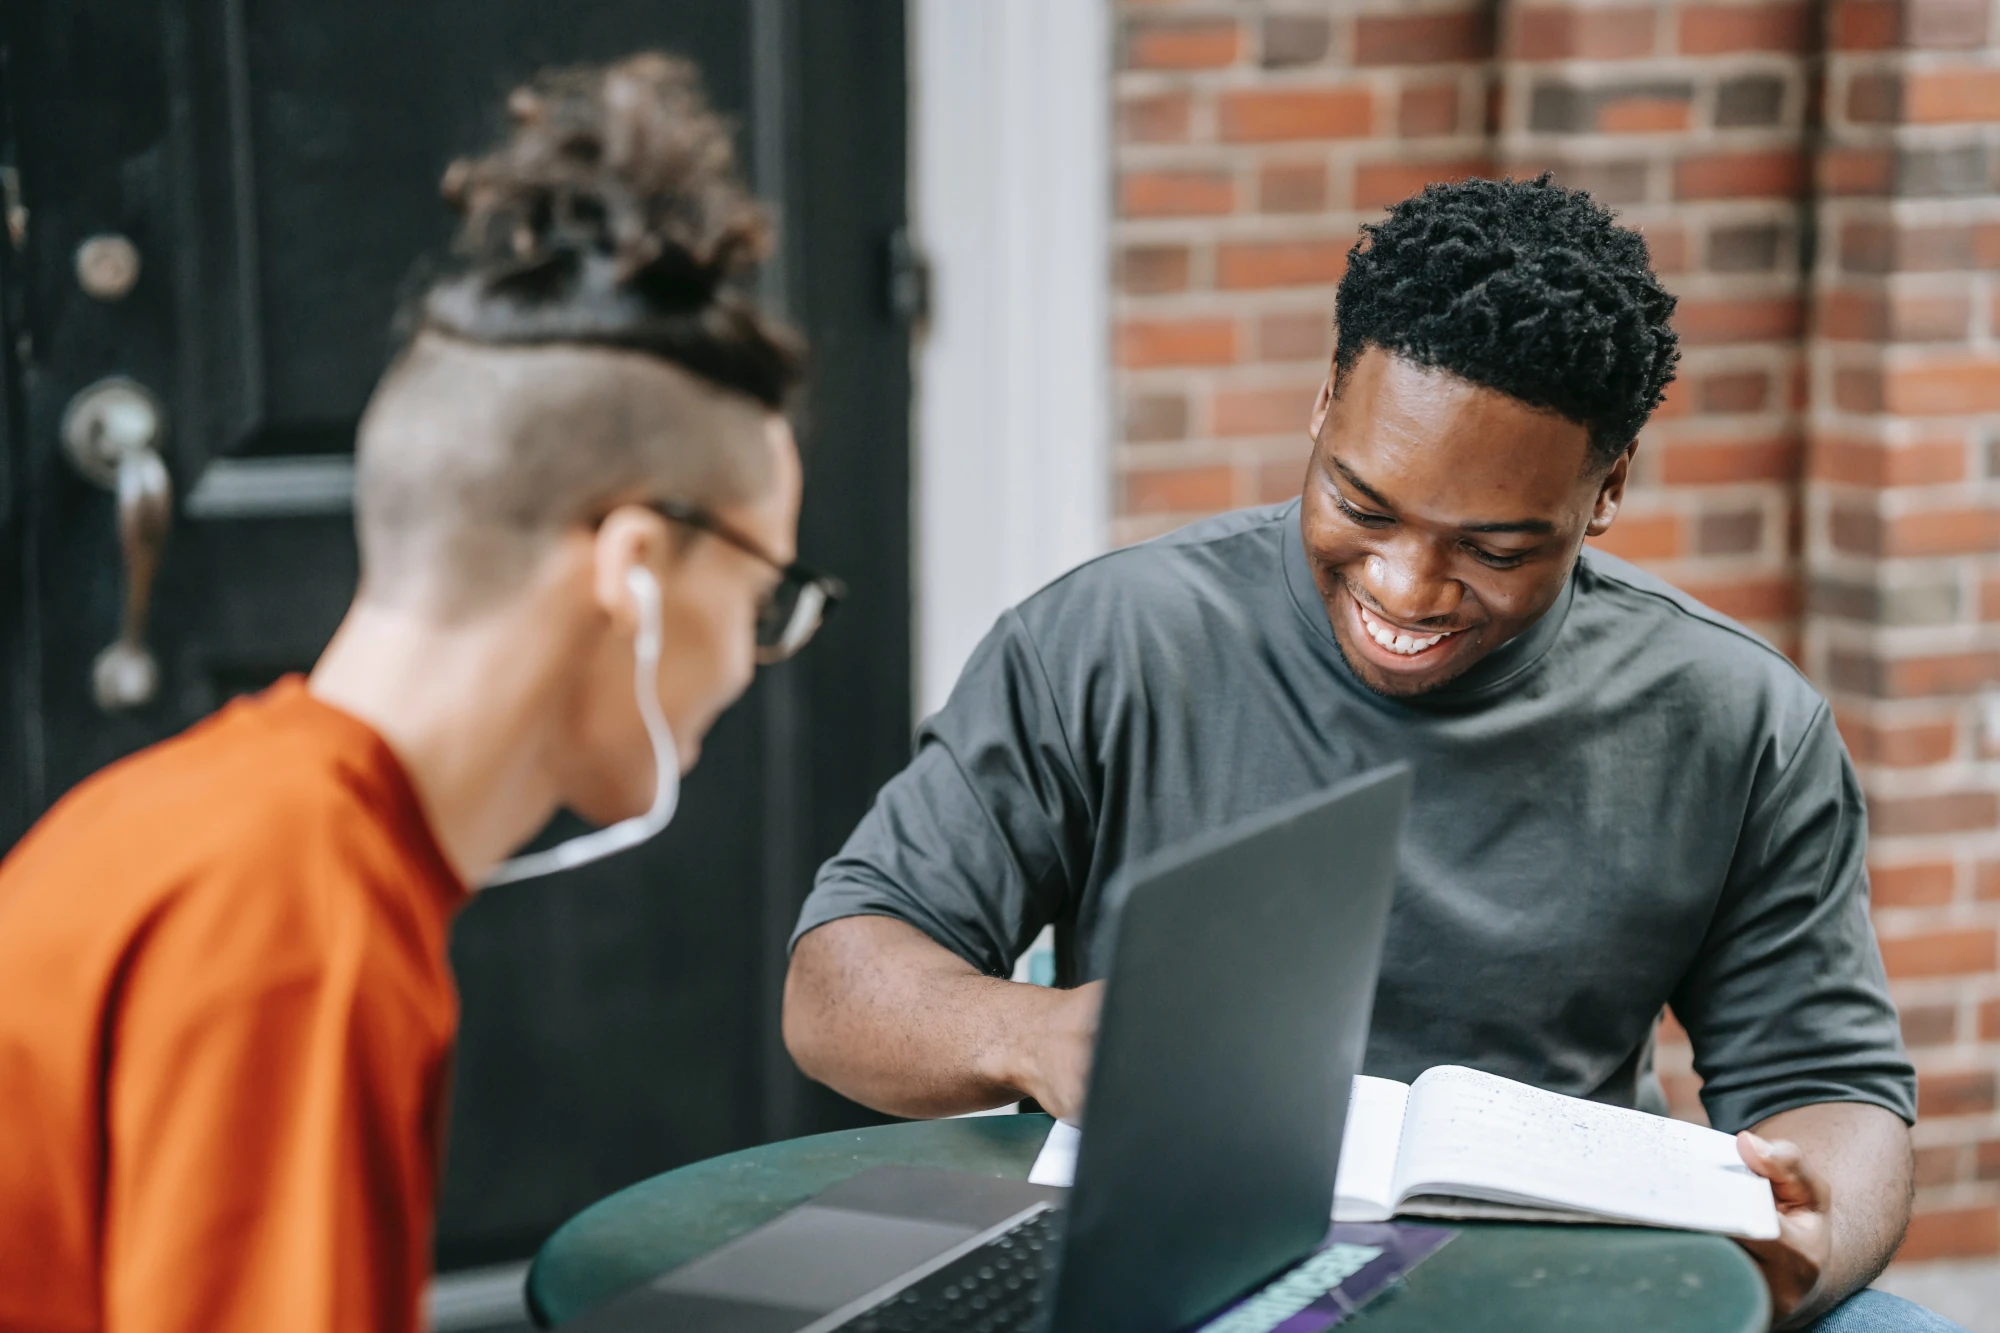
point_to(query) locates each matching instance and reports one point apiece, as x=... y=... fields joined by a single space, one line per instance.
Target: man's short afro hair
x=1521 y=286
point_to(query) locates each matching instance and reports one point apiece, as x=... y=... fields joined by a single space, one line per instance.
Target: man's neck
x=467 y=709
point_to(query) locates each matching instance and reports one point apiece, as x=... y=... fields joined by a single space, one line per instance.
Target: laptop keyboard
x=995 y=1287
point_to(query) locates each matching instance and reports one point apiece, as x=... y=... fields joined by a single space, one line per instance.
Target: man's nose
x=1411 y=581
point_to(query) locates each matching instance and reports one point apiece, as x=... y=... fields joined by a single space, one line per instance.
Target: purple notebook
x=1353 y=1263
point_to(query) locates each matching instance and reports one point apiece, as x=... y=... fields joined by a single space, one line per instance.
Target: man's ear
x=1611 y=493
x=629 y=536
x=1322 y=404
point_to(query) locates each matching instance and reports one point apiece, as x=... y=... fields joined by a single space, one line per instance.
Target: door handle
x=112 y=431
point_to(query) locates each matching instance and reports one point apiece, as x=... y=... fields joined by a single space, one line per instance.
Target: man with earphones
x=226 y=1014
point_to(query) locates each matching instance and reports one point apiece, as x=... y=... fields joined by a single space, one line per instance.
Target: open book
x=1460 y=1143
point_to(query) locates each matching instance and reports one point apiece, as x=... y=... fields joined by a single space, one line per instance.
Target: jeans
x=1871 y=1311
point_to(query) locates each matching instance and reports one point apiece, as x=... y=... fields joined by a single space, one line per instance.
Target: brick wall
x=1818 y=185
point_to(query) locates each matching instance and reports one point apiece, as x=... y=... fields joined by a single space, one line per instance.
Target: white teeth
x=1401 y=644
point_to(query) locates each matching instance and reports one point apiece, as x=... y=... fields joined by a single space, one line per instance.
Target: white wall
x=1010 y=111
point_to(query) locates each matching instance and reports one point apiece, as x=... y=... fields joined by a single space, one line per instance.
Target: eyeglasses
x=794 y=610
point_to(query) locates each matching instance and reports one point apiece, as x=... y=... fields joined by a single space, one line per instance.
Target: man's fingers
x=1779 y=1161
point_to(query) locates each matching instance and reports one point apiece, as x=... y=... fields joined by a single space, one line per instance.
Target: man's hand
x=879 y=1011
x=1056 y=1059
x=1793 y=1262
x=1840 y=1172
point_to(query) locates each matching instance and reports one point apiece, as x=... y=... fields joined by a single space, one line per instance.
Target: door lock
x=112 y=431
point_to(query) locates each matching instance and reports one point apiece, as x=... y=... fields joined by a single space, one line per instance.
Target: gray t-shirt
x=1635 y=803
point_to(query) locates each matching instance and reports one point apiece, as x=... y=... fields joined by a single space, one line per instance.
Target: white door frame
x=1010 y=203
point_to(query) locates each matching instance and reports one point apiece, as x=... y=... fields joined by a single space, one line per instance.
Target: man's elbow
x=804 y=1019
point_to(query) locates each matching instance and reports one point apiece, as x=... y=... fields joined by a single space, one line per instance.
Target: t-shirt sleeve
x=260 y=1173
x=1787 y=1003
x=983 y=839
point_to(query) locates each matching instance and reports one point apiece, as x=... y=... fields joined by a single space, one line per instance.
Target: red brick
x=1749 y=599
x=1292 y=187
x=1709 y=30
x=1272 y=411
x=1942 y=24
x=1929 y=1024
x=1959 y=386
x=1425 y=110
x=1941 y=953
x=1935 y=1166
x=1875 y=97
x=1252 y=115
x=1179 y=490
x=1551 y=33
x=1916 y=317
x=1942 y=96
x=1911 y=886
x=1776 y=174
x=1735 y=391
x=1295 y=336
x=1207 y=44
x=1989 y=599
x=1422 y=39
x=1867 y=25
x=1155 y=417
x=1667 y=246
x=1753 y=319
x=1937 y=675
x=1986 y=245
x=1988 y=1166
x=1949 y=812
x=1955 y=1092
x=1150 y=270
x=1858 y=388
x=1952 y=1232
x=1864 y=172
x=1380 y=184
x=1713 y=463
x=1873 y=463
x=1157 y=194
x=1250 y=264
x=1895 y=316
x=1852 y=316
x=1162 y=118
x=1643 y=537
x=1939 y=532
x=1909 y=746
x=1643 y=115
x=1176 y=342
x=1281 y=479
x=1989 y=1021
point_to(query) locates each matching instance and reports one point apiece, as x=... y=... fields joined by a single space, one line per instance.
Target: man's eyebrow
x=1374 y=496
x=1538 y=526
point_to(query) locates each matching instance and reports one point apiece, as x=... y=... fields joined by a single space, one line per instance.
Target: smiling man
x=1623 y=800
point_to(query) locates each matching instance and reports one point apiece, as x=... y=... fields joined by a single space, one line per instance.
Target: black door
x=271 y=168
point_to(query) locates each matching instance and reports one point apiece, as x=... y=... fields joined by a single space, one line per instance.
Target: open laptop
x=1235 y=1014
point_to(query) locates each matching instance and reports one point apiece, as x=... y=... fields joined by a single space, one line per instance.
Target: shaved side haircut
x=591 y=344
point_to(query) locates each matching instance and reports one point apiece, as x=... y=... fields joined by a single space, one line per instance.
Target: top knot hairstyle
x=1520 y=286
x=613 y=216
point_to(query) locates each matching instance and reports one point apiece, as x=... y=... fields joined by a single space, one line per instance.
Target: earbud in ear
x=645 y=589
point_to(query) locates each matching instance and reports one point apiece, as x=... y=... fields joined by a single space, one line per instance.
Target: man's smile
x=1395 y=638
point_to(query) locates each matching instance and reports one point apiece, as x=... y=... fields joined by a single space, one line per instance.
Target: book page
x=1055 y=1164
x=1491 y=1138
x=1364 y=1188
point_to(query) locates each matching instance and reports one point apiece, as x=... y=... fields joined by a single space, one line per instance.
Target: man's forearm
x=880 y=1012
x=1863 y=1153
